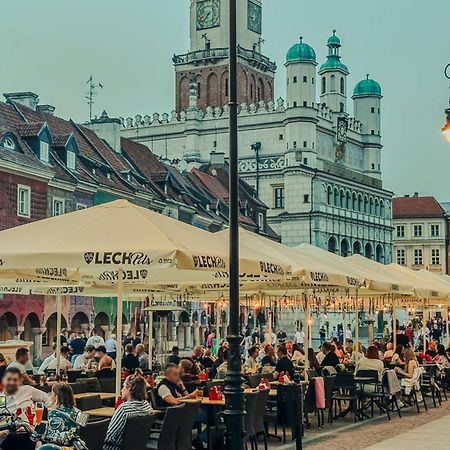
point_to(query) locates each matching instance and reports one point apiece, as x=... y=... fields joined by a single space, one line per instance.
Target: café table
x=101 y=412
x=103 y=395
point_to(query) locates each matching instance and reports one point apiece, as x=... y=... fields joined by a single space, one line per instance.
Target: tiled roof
x=212 y=184
x=416 y=207
x=60 y=140
x=29 y=129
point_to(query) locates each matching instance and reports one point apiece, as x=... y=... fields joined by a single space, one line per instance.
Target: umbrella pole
x=119 y=332
x=424 y=327
x=150 y=337
x=356 y=349
x=394 y=325
x=306 y=340
x=447 y=326
x=58 y=333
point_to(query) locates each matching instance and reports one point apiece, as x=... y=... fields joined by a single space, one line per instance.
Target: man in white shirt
x=299 y=337
x=111 y=346
x=44 y=366
x=22 y=358
x=64 y=363
x=348 y=332
x=19 y=396
x=95 y=339
x=83 y=362
x=269 y=337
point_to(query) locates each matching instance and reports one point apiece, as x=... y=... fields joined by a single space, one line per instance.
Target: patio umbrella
x=120 y=244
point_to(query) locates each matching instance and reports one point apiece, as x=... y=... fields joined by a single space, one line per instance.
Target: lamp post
x=446 y=128
x=234 y=395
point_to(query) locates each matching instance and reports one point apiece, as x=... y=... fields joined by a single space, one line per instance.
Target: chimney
x=416 y=194
x=217 y=158
x=29 y=99
x=46 y=109
x=108 y=129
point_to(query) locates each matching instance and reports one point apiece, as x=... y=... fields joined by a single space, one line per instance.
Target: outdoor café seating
x=137 y=430
x=165 y=438
x=93 y=434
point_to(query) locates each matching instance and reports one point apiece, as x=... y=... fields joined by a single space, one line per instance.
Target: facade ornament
x=165 y=118
x=226 y=111
x=193 y=92
x=138 y=120
x=252 y=108
x=244 y=109
x=280 y=105
x=147 y=120
x=209 y=113
x=182 y=116
x=173 y=116
x=271 y=106
x=262 y=107
x=155 y=120
x=129 y=122
x=217 y=111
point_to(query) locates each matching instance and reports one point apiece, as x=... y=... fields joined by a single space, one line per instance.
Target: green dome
x=367 y=87
x=301 y=52
x=334 y=40
x=333 y=63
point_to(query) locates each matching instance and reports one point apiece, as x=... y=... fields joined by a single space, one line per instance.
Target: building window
x=372 y=131
x=417 y=230
x=81 y=206
x=44 y=155
x=305 y=161
x=294 y=80
x=400 y=231
x=278 y=195
x=58 y=206
x=305 y=79
x=312 y=80
x=434 y=230
x=295 y=104
x=341 y=107
x=418 y=259
x=280 y=137
x=306 y=198
x=23 y=201
x=401 y=258
x=9 y=143
x=324 y=85
x=71 y=160
x=261 y=221
x=435 y=257
x=226 y=87
x=305 y=104
x=295 y=144
x=342 y=85
x=305 y=144
x=372 y=110
x=199 y=90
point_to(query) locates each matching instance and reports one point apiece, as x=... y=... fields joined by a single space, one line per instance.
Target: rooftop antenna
x=90 y=97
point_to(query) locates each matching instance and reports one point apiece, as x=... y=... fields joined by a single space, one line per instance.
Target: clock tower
x=207 y=60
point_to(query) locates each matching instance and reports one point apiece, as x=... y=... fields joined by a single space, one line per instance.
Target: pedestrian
x=95 y=339
x=111 y=346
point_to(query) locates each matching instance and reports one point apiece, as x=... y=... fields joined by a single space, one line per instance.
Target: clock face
x=208 y=14
x=254 y=17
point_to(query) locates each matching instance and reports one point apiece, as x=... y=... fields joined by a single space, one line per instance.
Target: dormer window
x=129 y=176
x=71 y=160
x=108 y=175
x=44 y=152
x=9 y=143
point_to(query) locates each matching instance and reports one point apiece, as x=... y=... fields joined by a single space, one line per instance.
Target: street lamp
x=446 y=128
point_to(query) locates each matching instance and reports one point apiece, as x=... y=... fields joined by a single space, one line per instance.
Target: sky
x=51 y=47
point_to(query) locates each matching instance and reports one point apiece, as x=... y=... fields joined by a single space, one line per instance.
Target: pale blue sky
x=51 y=47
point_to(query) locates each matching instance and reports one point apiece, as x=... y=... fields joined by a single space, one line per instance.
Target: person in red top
x=409 y=333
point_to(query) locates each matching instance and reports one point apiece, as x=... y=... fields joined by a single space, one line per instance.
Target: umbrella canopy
x=92 y=244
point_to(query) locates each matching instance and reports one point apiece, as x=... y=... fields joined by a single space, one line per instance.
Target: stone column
x=37 y=344
x=188 y=339
x=16 y=332
x=196 y=334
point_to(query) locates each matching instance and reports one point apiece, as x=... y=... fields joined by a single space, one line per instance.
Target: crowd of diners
x=183 y=376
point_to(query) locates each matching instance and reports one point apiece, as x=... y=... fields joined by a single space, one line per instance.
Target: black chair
x=86 y=403
x=309 y=404
x=153 y=399
x=346 y=391
x=137 y=432
x=78 y=387
x=94 y=434
x=251 y=402
x=73 y=375
x=374 y=392
x=329 y=390
x=429 y=386
x=184 y=435
x=165 y=438
x=107 y=385
x=260 y=429
x=93 y=384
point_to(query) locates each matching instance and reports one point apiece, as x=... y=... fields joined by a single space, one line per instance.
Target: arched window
x=355 y=202
x=379 y=253
x=342 y=87
x=377 y=207
x=371 y=205
x=342 y=199
x=333 y=83
x=348 y=204
x=324 y=85
x=382 y=208
x=368 y=253
x=336 y=197
x=345 y=248
x=366 y=204
x=332 y=244
x=329 y=195
x=356 y=248
x=360 y=203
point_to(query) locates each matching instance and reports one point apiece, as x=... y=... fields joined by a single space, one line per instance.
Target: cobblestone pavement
x=344 y=434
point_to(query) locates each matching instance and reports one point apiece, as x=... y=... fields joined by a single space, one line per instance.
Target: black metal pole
x=234 y=410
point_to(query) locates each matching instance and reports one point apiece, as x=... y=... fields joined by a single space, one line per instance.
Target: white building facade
x=316 y=167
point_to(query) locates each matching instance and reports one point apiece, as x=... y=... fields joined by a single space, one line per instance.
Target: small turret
x=333 y=91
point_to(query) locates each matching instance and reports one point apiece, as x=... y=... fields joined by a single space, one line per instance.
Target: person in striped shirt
x=135 y=404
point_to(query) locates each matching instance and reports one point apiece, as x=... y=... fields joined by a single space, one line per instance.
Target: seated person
x=22 y=358
x=284 y=364
x=61 y=419
x=223 y=368
x=330 y=358
x=170 y=390
x=251 y=363
x=105 y=363
x=135 y=404
x=298 y=355
x=313 y=363
x=442 y=357
x=432 y=349
x=217 y=363
x=64 y=360
x=371 y=361
x=397 y=357
x=84 y=361
x=174 y=358
x=188 y=373
x=389 y=353
x=207 y=361
x=130 y=361
x=269 y=358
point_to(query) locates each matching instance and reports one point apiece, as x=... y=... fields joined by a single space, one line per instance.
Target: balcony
x=212 y=55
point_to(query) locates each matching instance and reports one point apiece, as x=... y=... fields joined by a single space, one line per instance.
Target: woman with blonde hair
x=411 y=374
